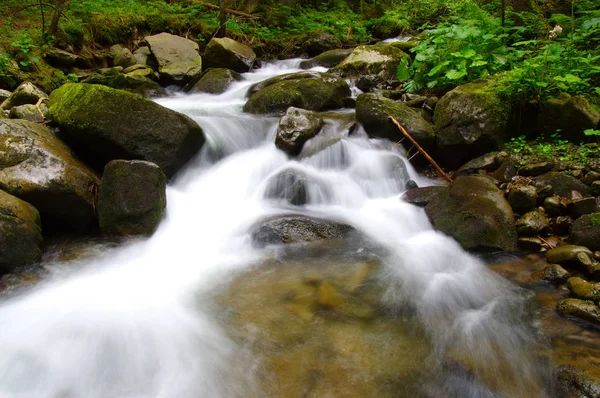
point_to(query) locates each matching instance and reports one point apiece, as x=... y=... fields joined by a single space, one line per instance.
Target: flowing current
x=139 y=320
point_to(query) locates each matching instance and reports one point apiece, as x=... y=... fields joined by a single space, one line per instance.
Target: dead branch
x=420 y=149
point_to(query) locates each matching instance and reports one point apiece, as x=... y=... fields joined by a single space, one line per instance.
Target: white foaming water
x=138 y=322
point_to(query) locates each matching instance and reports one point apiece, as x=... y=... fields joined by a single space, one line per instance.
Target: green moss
x=595 y=219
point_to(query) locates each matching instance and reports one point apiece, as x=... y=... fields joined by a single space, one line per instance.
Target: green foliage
x=22 y=50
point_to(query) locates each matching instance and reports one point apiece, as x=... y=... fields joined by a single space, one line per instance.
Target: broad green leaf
x=478 y=63
x=403 y=72
x=437 y=68
x=468 y=53
x=432 y=83
x=454 y=74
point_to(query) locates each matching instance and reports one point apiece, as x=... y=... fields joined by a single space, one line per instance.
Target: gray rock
x=295 y=128
x=536 y=169
x=20 y=233
x=320 y=43
x=585 y=231
x=532 y=223
x=563 y=183
x=4 y=94
x=214 y=81
x=122 y=56
x=60 y=59
x=40 y=169
x=522 y=198
x=131 y=198
x=328 y=59
x=228 y=53
x=134 y=82
x=289 y=186
x=287 y=76
x=379 y=59
x=28 y=112
x=91 y=118
x=422 y=196
x=297 y=229
x=178 y=58
x=570 y=115
x=26 y=93
x=555 y=273
x=141 y=55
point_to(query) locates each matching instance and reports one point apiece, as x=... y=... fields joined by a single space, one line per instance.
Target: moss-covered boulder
x=473 y=211
x=328 y=59
x=122 y=56
x=214 y=81
x=569 y=114
x=177 y=58
x=228 y=53
x=580 y=309
x=131 y=198
x=319 y=43
x=40 y=169
x=316 y=94
x=26 y=93
x=29 y=112
x=562 y=183
x=295 y=128
x=20 y=233
x=60 y=59
x=373 y=111
x=4 y=94
x=133 y=82
x=585 y=231
x=297 y=229
x=286 y=76
x=103 y=124
x=378 y=59
x=470 y=121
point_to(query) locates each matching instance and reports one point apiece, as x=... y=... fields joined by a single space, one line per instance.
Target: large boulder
x=295 y=128
x=328 y=59
x=286 y=76
x=297 y=229
x=473 y=211
x=28 y=112
x=122 y=56
x=131 y=198
x=214 y=81
x=320 y=43
x=585 y=231
x=26 y=93
x=132 y=82
x=470 y=121
x=570 y=115
x=378 y=59
x=20 y=233
x=60 y=59
x=580 y=309
x=177 y=58
x=228 y=53
x=562 y=183
x=373 y=111
x=105 y=124
x=315 y=94
x=40 y=169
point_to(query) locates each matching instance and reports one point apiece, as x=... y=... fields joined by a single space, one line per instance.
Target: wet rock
x=575 y=383
x=570 y=115
x=177 y=58
x=122 y=56
x=320 y=43
x=38 y=168
x=328 y=59
x=290 y=186
x=287 y=76
x=380 y=59
x=553 y=206
x=585 y=231
x=297 y=229
x=530 y=243
x=582 y=289
x=90 y=118
x=563 y=183
x=26 y=93
x=506 y=171
x=470 y=121
x=295 y=128
x=411 y=184
x=142 y=55
x=228 y=53
x=522 y=198
x=214 y=81
x=20 y=233
x=582 y=206
x=474 y=212
x=566 y=253
x=131 y=198
x=60 y=59
x=488 y=162
x=544 y=190
x=28 y=112
x=314 y=94
x=532 y=223
x=577 y=174
x=555 y=273
x=133 y=83
x=4 y=94
x=591 y=176
x=373 y=111
x=422 y=196
x=562 y=225
x=580 y=309
x=536 y=169
x=595 y=188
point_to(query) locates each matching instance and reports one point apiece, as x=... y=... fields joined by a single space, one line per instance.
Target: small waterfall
x=139 y=320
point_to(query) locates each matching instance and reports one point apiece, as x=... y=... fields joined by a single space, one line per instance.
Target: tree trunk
x=60 y=4
x=222 y=19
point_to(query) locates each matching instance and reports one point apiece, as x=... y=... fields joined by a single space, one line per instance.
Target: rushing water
x=140 y=320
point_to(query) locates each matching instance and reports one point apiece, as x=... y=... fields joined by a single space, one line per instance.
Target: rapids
x=140 y=320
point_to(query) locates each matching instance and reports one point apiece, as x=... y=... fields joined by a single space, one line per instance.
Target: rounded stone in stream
x=213 y=81
x=532 y=223
x=582 y=206
x=288 y=185
x=522 y=198
x=295 y=128
x=581 y=309
x=228 y=53
x=566 y=253
x=535 y=169
x=20 y=233
x=555 y=273
x=582 y=289
x=585 y=231
x=422 y=196
x=552 y=206
x=297 y=229
x=562 y=183
x=132 y=197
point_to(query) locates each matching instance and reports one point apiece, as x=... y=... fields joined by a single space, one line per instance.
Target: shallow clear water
x=141 y=320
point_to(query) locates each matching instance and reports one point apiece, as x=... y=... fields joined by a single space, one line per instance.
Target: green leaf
x=454 y=74
x=568 y=78
x=478 y=63
x=432 y=83
x=468 y=53
x=437 y=68
x=403 y=72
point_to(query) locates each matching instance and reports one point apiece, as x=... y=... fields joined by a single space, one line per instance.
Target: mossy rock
x=103 y=124
x=131 y=198
x=562 y=183
x=580 y=309
x=26 y=93
x=470 y=121
x=320 y=43
x=314 y=94
x=406 y=46
x=585 y=231
x=214 y=81
x=40 y=169
x=569 y=114
x=28 y=112
x=228 y=53
x=328 y=59
x=373 y=111
x=133 y=82
x=177 y=58
x=378 y=59
x=256 y=87
x=474 y=212
x=20 y=233
x=295 y=128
